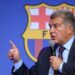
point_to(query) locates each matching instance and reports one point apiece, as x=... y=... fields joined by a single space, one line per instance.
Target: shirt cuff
x=18 y=65
x=60 y=67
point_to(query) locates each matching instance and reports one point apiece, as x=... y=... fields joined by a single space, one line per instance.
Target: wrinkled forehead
x=56 y=20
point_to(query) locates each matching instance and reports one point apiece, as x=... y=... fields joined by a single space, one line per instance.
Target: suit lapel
x=72 y=52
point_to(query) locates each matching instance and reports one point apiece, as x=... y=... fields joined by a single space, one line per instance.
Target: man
x=62 y=27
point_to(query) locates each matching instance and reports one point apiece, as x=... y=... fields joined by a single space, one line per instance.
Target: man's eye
x=55 y=26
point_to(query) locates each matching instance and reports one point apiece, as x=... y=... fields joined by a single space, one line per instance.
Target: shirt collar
x=68 y=44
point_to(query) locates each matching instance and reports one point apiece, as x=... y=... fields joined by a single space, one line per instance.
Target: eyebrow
x=53 y=24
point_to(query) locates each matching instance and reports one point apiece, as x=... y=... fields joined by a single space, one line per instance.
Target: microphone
x=52 y=44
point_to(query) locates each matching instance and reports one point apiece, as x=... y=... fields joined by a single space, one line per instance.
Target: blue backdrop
x=13 y=21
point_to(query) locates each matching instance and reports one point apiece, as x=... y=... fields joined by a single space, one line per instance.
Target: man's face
x=58 y=31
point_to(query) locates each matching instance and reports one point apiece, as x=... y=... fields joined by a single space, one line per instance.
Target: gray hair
x=66 y=15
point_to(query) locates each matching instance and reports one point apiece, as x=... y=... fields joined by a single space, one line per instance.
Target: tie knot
x=61 y=49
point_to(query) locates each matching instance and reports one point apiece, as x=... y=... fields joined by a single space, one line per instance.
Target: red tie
x=61 y=49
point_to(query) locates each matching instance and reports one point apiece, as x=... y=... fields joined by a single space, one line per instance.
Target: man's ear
x=70 y=29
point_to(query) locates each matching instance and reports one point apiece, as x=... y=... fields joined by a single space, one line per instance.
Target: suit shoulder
x=45 y=51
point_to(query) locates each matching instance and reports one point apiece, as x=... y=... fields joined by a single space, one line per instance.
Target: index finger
x=12 y=44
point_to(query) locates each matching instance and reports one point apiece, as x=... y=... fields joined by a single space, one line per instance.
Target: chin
x=55 y=41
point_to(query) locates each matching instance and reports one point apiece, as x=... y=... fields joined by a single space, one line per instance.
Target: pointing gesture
x=13 y=53
x=12 y=44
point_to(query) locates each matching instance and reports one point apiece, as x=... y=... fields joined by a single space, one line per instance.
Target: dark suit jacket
x=42 y=66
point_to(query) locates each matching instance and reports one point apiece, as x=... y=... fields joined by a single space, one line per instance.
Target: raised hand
x=13 y=53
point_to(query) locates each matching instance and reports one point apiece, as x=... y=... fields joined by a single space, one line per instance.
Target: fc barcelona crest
x=37 y=33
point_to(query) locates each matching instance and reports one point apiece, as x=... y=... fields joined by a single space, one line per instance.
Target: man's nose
x=52 y=29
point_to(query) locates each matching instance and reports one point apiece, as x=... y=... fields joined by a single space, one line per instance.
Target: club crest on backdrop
x=37 y=33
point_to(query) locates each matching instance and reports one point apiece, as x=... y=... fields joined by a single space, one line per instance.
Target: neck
x=67 y=39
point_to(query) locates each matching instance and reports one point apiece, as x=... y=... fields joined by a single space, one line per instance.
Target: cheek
x=59 y=35
x=60 y=30
x=62 y=34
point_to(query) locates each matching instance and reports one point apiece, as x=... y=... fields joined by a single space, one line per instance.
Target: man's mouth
x=53 y=37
